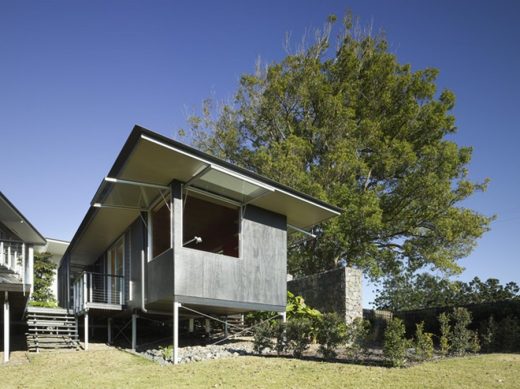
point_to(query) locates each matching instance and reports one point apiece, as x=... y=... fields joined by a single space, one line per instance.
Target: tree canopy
x=418 y=291
x=352 y=126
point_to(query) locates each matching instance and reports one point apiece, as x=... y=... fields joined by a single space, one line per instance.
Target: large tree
x=354 y=127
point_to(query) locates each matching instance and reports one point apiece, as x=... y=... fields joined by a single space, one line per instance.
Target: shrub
x=395 y=343
x=263 y=335
x=461 y=336
x=508 y=335
x=474 y=343
x=356 y=338
x=167 y=352
x=423 y=343
x=488 y=332
x=331 y=334
x=298 y=333
x=444 y=345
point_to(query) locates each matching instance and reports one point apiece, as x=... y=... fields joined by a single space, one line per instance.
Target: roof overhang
x=143 y=172
x=55 y=247
x=18 y=224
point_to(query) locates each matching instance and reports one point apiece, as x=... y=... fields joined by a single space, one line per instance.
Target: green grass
x=112 y=368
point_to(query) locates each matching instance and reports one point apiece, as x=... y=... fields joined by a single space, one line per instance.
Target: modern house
x=18 y=239
x=173 y=231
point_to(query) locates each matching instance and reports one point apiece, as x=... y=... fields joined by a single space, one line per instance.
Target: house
x=18 y=239
x=174 y=231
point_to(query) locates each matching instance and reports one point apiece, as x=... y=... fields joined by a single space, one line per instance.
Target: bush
x=423 y=343
x=461 y=337
x=488 y=332
x=395 y=343
x=298 y=333
x=263 y=335
x=167 y=352
x=331 y=333
x=444 y=345
x=356 y=338
x=508 y=335
x=279 y=331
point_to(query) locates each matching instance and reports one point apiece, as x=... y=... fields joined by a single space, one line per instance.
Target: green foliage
x=43 y=278
x=299 y=335
x=263 y=334
x=488 y=333
x=297 y=308
x=167 y=352
x=395 y=343
x=423 y=343
x=331 y=333
x=349 y=124
x=461 y=337
x=445 y=327
x=356 y=337
x=409 y=291
x=279 y=331
x=508 y=335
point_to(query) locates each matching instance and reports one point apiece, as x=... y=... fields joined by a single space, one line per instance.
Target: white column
x=284 y=316
x=2 y=256
x=24 y=269
x=226 y=328
x=109 y=329
x=207 y=326
x=191 y=325
x=9 y=259
x=86 y=330
x=134 y=331
x=176 y=307
x=85 y=295
x=6 y=327
x=30 y=253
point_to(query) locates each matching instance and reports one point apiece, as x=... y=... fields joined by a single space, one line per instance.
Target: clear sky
x=75 y=76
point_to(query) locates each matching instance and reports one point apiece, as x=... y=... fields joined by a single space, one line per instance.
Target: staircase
x=51 y=329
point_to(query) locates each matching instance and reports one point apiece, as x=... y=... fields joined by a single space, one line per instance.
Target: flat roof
x=143 y=171
x=18 y=224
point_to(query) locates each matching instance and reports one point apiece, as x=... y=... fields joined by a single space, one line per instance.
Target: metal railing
x=12 y=256
x=98 y=288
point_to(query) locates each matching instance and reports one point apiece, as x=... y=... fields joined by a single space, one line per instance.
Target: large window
x=161 y=227
x=211 y=225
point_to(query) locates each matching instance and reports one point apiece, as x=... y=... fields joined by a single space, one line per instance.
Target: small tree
x=395 y=343
x=444 y=344
x=331 y=334
x=423 y=343
x=43 y=278
x=263 y=337
x=357 y=337
x=461 y=336
x=299 y=335
x=488 y=333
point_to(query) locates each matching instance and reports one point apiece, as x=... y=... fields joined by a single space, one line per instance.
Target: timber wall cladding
x=337 y=290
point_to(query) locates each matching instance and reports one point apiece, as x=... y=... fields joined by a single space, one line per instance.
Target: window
x=161 y=227
x=215 y=222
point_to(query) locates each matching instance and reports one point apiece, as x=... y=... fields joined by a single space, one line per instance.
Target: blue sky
x=76 y=76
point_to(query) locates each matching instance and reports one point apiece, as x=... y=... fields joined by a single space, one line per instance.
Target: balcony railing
x=12 y=256
x=97 y=288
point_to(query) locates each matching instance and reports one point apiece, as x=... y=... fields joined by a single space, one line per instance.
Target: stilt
x=176 y=307
x=284 y=316
x=6 y=327
x=86 y=330
x=225 y=328
x=207 y=326
x=109 y=330
x=134 y=331
x=191 y=325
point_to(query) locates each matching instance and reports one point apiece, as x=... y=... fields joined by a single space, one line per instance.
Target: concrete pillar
x=207 y=326
x=109 y=330
x=191 y=325
x=226 y=328
x=134 y=331
x=86 y=330
x=284 y=316
x=176 y=307
x=6 y=328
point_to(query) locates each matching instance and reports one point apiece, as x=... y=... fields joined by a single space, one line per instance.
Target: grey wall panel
x=160 y=277
x=136 y=245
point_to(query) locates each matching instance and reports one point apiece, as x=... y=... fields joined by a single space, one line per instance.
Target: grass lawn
x=112 y=368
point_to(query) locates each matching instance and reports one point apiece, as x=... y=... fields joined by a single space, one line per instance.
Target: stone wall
x=337 y=290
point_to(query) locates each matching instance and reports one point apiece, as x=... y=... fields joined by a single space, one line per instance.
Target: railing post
x=23 y=267
x=2 y=255
x=9 y=264
x=85 y=295
x=90 y=288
